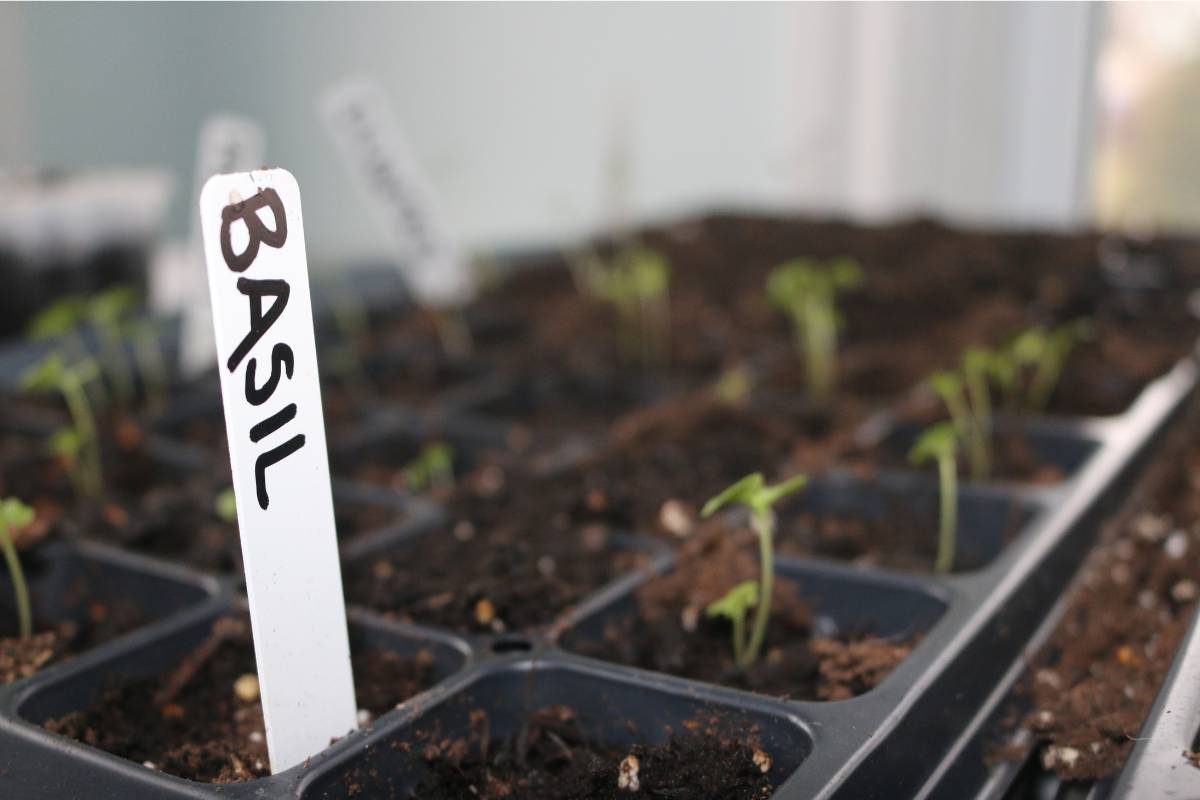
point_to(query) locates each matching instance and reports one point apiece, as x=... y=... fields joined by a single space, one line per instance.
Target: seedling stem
x=15 y=515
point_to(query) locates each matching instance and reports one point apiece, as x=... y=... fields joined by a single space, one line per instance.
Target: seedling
x=107 y=312
x=15 y=515
x=940 y=443
x=807 y=291
x=351 y=318
x=148 y=353
x=225 y=506
x=53 y=374
x=734 y=386
x=1046 y=353
x=63 y=319
x=753 y=493
x=637 y=284
x=432 y=469
x=967 y=397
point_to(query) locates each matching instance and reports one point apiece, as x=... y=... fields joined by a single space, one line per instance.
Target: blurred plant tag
x=226 y=144
x=253 y=237
x=367 y=133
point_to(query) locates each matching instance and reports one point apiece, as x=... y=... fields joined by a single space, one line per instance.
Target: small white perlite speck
x=267 y=358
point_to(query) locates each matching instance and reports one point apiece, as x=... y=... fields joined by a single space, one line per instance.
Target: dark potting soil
x=1094 y=682
x=670 y=631
x=1013 y=460
x=505 y=561
x=551 y=758
x=662 y=464
x=180 y=523
x=96 y=623
x=899 y=538
x=191 y=722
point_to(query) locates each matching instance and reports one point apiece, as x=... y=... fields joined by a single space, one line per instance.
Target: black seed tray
x=911 y=736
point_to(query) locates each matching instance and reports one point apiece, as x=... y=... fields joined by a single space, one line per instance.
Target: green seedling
x=753 y=493
x=352 y=321
x=148 y=353
x=108 y=312
x=53 y=374
x=1045 y=353
x=432 y=469
x=734 y=386
x=63 y=320
x=807 y=290
x=977 y=369
x=637 y=284
x=15 y=515
x=940 y=443
x=225 y=506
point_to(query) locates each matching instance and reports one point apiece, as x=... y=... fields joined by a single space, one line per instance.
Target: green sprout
x=225 y=506
x=63 y=320
x=53 y=374
x=753 y=493
x=107 y=312
x=432 y=469
x=734 y=386
x=637 y=284
x=940 y=443
x=977 y=369
x=148 y=353
x=15 y=515
x=1045 y=353
x=807 y=290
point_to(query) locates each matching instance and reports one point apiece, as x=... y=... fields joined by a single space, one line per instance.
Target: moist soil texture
x=1092 y=685
x=551 y=758
x=201 y=721
x=670 y=631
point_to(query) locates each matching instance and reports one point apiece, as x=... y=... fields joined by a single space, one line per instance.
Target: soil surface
x=502 y=562
x=664 y=463
x=898 y=538
x=193 y=723
x=1093 y=684
x=670 y=632
x=552 y=759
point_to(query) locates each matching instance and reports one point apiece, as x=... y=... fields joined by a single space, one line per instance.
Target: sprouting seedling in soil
x=143 y=332
x=432 y=469
x=53 y=374
x=63 y=319
x=353 y=324
x=940 y=444
x=977 y=369
x=15 y=515
x=1046 y=353
x=225 y=505
x=753 y=493
x=807 y=291
x=107 y=312
x=734 y=386
x=637 y=283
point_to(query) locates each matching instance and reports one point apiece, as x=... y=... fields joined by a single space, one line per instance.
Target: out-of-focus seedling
x=753 y=493
x=225 y=506
x=432 y=469
x=108 y=312
x=939 y=443
x=734 y=386
x=15 y=515
x=53 y=374
x=1045 y=353
x=63 y=320
x=967 y=396
x=807 y=290
x=637 y=283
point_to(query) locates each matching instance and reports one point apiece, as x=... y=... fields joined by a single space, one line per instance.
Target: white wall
x=977 y=111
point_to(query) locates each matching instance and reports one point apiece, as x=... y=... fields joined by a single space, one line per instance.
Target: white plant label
x=226 y=144
x=267 y=357
x=368 y=136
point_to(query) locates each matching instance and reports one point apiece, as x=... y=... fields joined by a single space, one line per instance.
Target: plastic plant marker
x=267 y=360
x=226 y=144
x=368 y=136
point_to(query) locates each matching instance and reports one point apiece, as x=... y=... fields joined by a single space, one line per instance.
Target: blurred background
x=1058 y=115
